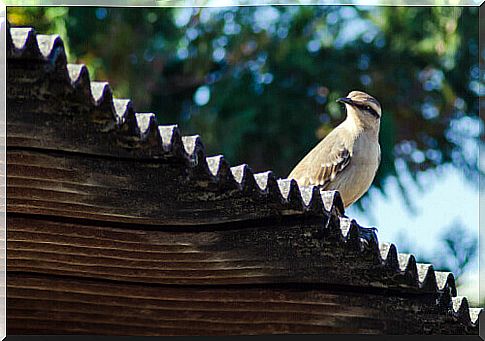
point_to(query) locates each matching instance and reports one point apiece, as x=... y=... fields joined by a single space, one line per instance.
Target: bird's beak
x=345 y=100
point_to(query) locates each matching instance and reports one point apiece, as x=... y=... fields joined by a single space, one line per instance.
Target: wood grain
x=56 y=305
x=271 y=254
x=77 y=186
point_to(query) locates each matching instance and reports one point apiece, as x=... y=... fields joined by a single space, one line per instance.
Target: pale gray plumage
x=348 y=157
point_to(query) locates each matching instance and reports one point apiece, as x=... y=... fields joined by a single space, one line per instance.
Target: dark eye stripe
x=369 y=108
x=373 y=112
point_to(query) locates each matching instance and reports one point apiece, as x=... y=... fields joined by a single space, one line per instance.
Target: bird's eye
x=367 y=107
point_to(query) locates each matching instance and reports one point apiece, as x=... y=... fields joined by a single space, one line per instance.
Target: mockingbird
x=347 y=159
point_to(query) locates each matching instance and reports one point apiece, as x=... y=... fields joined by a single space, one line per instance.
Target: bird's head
x=365 y=107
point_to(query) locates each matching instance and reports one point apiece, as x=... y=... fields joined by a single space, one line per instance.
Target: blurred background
x=259 y=85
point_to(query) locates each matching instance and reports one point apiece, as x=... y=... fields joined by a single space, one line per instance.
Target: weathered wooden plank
x=149 y=192
x=38 y=304
x=284 y=252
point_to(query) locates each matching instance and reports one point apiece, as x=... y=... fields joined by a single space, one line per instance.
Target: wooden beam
x=57 y=305
x=279 y=252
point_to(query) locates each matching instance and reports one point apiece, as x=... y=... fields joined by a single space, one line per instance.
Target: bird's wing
x=323 y=163
x=331 y=166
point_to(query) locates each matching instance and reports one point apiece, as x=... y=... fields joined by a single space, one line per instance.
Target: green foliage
x=270 y=75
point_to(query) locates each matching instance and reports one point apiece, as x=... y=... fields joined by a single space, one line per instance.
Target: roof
x=154 y=178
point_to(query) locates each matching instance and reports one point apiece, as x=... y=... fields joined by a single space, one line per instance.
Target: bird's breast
x=358 y=177
x=366 y=151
